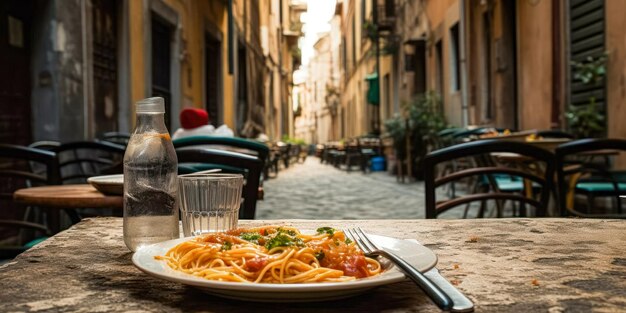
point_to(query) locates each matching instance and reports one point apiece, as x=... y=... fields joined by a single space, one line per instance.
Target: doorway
x=161 y=48
x=212 y=79
x=242 y=88
x=15 y=82
x=104 y=28
x=487 y=103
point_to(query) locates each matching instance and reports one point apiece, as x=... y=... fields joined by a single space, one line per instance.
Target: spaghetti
x=271 y=254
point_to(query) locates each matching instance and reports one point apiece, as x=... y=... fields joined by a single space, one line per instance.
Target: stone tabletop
x=503 y=265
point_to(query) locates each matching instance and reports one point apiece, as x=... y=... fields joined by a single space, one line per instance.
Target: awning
x=373 y=91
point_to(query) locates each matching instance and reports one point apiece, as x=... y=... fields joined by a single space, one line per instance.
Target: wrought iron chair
x=535 y=192
x=580 y=172
x=119 y=138
x=250 y=166
x=554 y=133
x=18 y=225
x=241 y=145
x=80 y=160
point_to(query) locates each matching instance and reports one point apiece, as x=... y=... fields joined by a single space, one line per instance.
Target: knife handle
x=461 y=302
x=439 y=297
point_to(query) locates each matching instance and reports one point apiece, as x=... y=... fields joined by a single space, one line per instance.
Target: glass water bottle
x=150 y=174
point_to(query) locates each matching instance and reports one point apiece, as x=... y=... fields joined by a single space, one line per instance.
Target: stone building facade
x=81 y=65
x=498 y=63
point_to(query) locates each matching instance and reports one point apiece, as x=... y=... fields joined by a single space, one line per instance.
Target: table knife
x=460 y=302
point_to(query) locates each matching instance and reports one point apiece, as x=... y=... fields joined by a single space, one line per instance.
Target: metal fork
x=440 y=298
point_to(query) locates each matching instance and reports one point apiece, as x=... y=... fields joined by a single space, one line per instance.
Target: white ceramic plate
x=419 y=256
x=108 y=184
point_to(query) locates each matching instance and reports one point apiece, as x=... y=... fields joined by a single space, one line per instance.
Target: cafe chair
x=251 y=167
x=584 y=168
x=80 y=160
x=284 y=153
x=234 y=144
x=480 y=178
x=119 y=138
x=45 y=145
x=472 y=134
x=353 y=156
x=19 y=226
x=554 y=134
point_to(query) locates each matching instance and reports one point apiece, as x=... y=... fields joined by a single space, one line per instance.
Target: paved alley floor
x=320 y=191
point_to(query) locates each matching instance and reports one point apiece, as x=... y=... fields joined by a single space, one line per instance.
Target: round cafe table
x=66 y=197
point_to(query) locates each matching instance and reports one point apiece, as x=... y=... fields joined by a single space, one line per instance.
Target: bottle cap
x=151 y=105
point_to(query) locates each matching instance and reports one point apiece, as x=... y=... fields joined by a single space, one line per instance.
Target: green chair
x=485 y=173
x=250 y=166
x=233 y=144
x=579 y=172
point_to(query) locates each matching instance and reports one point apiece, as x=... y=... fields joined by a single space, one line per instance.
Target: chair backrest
x=15 y=168
x=485 y=169
x=576 y=158
x=371 y=144
x=252 y=165
x=259 y=149
x=45 y=145
x=554 y=133
x=16 y=172
x=119 y=138
x=80 y=160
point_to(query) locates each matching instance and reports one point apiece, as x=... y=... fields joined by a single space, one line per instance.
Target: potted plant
x=422 y=122
x=588 y=121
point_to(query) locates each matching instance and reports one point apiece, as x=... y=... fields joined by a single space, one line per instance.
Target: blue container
x=378 y=164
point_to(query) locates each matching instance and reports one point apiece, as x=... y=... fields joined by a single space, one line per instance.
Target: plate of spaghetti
x=278 y=263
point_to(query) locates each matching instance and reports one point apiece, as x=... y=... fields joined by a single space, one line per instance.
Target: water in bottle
x=150 y=173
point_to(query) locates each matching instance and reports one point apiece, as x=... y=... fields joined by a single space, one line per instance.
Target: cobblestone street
x=320 y=191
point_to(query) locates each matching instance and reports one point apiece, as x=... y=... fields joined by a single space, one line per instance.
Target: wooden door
x=15 y=75
x=104 y=21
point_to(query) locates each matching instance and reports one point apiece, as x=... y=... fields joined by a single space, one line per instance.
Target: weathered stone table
x=503 y=265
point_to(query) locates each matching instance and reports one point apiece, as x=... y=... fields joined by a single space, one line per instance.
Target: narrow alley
x=319 y=191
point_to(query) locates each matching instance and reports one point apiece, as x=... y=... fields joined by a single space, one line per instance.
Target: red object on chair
x=193 y=118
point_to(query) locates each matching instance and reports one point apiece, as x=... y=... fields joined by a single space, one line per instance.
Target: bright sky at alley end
x=316 y=20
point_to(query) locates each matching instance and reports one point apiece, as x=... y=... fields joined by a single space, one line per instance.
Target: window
x=439 y=66
x=344 y=56
x=487 y=103
x=418 y=64
x=363 y=12
x=390 y=8
x=387 y=104
x=353 y=43
x=455 y=58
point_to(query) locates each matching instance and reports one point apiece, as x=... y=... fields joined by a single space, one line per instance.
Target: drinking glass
x=209 y=202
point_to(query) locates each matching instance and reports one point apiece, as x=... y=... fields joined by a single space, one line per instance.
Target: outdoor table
x=502 y=265
x=58 y=197
x=67 y=196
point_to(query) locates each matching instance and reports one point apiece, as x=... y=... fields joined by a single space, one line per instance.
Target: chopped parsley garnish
x=288 y=232
x=283 y=240
x=348 y=241
x=328 y=230
x=320 y=255
x=251 y=237
x=227 y=246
